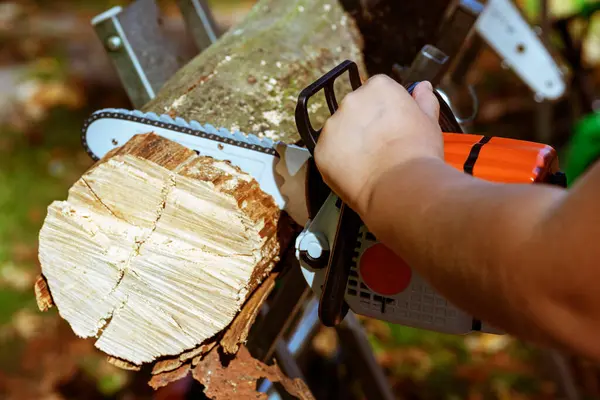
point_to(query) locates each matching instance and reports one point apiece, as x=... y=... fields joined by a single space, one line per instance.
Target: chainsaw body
x=381 y=285
x=350 y=269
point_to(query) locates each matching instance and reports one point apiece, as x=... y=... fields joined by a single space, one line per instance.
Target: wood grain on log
x=237 y=332
x=156 y=249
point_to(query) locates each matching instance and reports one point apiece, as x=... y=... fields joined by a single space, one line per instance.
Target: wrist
x=388 y=180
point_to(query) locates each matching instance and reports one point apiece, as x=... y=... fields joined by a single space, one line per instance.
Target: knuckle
x=328 y=126
x=321 y=153
x=351 y=100
x=379 y=80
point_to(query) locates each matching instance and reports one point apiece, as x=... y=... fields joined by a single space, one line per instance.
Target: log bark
x=250 y=79
x=137 y=255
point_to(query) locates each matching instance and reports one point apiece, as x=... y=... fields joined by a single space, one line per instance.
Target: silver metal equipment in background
x=142 y=53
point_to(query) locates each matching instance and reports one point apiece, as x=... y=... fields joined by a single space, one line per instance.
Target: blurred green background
x=53 y=74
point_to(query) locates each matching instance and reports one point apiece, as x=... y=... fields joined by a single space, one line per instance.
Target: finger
x=428 y=103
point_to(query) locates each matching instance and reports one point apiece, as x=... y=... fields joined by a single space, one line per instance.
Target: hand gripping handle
x=310 y=136
x=332 y=305
x=447 y=120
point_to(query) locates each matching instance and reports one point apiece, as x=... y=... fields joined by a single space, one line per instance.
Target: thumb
x=428 y=103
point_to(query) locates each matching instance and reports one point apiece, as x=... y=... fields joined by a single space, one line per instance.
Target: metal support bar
x=361 y=360
x=458 y=29
x=354 y=346
x=458 y=39
x=287 y=352
x=428 y=65
x=465 y=61
x=144 y=58
x=266 y=336
x=200 y=22
x=278 y=317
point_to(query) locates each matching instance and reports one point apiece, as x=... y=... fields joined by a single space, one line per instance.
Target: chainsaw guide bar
x=272 y=164
x=206 y=131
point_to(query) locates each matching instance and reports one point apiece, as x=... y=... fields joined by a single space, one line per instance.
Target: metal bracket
x=200 y=22
x=143 y=56
x=458 y=28
x=429 y=65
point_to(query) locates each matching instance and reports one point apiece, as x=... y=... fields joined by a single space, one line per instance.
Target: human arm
x=513 y=255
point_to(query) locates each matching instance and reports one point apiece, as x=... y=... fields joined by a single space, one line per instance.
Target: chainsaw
x=341 y=260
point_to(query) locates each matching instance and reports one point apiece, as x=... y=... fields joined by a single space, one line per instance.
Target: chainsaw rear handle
x=308 y=134
x=332 y=305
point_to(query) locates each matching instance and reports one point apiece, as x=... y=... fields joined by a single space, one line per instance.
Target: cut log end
x=157 y=249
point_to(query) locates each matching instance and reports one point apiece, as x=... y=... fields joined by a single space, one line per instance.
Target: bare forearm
x=513 y=255
x=491 y=249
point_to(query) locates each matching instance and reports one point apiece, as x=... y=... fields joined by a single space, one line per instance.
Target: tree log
x=138 y=256
x=393 y=32
x=250 y=79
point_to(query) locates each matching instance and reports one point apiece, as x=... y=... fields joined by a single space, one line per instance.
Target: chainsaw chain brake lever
x=332 y=305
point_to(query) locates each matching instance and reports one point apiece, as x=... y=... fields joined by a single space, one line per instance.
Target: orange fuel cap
x=383 y=271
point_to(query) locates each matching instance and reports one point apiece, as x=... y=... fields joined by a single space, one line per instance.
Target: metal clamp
x=200 y=22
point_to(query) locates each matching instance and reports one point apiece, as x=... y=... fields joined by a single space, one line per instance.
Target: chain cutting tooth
x=220 y=134
x=240 y=136
x=208 y=128
x=181 y=121
x=225 y=133
x=167 y=119
x=153 y=116
x=253 y=139
x=258 y=140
